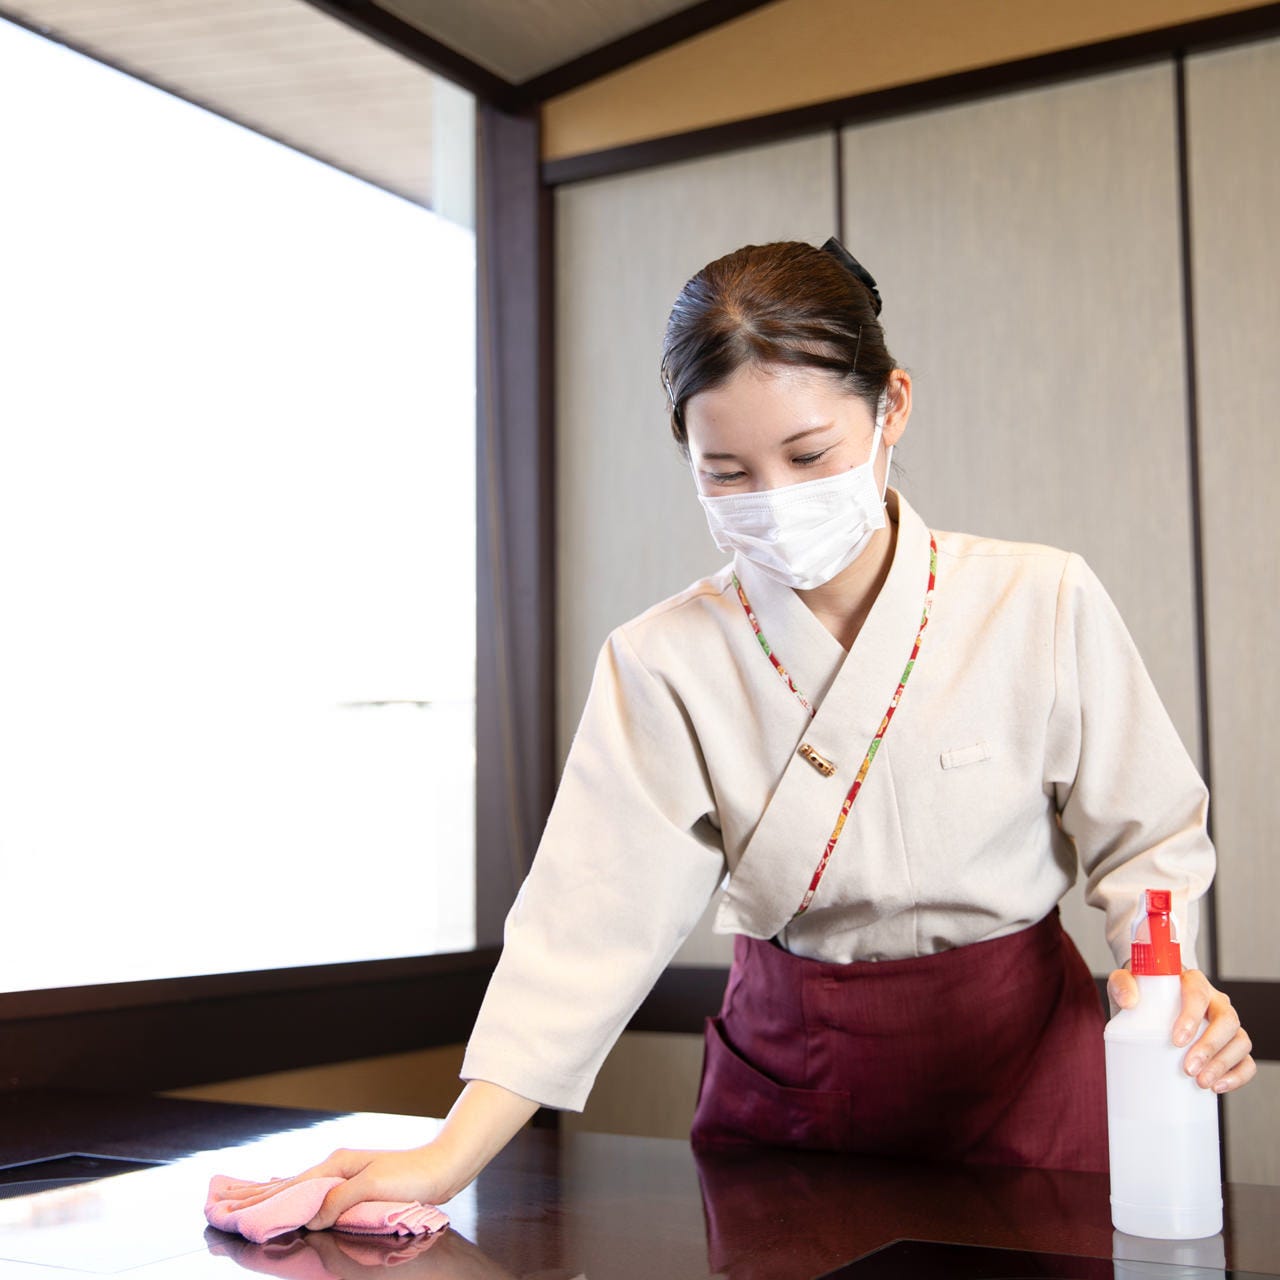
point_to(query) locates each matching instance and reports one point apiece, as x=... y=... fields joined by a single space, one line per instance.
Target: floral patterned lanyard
x=880 y=732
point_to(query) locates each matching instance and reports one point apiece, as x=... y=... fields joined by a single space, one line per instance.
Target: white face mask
x=804 y=534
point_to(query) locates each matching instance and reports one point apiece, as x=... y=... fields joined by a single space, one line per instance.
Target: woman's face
x=772 y=425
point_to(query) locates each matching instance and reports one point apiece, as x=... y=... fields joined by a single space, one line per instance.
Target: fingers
x=1122 y=990
x=339 y=1164
x=1210 y=1069
x=339 y=1200
x=233 y=1187
x=247 y=1194
x=1241 y=1074
x=1196 y=994
x=365 y=1175
x=1220 y=1059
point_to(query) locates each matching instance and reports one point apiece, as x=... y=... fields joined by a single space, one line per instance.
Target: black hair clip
x=852 y=265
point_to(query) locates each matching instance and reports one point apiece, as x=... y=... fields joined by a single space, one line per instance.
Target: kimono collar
x=806 y=649
x=850 y=695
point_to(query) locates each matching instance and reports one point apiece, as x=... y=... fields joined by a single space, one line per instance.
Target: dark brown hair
x=780 y=303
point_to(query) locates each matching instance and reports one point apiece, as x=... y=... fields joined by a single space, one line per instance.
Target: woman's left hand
x=1221 y=1058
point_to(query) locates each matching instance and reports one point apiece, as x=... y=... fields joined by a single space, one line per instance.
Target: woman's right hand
x=415 y=1174
x=481 y=1122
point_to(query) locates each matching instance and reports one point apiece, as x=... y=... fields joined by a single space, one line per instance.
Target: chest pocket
x=958 y=757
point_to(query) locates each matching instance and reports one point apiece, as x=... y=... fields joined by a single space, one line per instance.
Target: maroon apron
x=990 y=1053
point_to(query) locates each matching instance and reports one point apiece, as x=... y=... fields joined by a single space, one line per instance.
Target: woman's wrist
x=480 y=1123
x=451 y=1166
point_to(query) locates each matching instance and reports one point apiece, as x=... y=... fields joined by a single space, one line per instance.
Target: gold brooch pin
x=819 y=762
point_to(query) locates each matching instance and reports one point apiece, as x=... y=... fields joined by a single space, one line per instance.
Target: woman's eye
x=809 y=458
x=725 y=477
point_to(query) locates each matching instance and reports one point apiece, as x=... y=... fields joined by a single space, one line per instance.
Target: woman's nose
x=773 y=478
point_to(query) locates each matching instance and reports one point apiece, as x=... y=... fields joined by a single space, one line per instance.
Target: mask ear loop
x=881 y=410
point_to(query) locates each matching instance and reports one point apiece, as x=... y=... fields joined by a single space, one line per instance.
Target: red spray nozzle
x=1160 y=952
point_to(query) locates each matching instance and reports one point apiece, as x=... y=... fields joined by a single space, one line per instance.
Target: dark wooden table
x=557 y=1207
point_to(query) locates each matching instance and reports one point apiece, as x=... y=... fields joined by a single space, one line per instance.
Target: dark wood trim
x=1257 y=1001
x=687 y=994
x=515 y=478
x=408 y=41
x=681 y=999
x=413 y=43
x=41 y=1124
x=688 y=146
x=1024 y=73
x=548 y=536
x=657 y=36
x=199 y=1039
x=58 y=1002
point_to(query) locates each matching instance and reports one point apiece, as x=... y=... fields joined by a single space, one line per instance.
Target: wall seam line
x=1196 y=495
x=837 y=135
x=1209 y=908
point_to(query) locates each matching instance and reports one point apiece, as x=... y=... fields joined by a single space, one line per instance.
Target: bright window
x=237 y=545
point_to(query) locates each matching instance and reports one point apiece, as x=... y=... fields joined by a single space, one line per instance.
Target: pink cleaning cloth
x=296 y=1205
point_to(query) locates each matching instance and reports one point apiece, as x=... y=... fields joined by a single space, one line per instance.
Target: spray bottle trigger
x=1155 y=936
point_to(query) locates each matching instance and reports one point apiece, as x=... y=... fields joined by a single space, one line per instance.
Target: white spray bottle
x=1162 y=1126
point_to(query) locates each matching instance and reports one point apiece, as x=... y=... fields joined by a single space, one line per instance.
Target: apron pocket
x=738 y=1103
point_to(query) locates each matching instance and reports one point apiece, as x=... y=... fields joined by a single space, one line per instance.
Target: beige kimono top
x=726 y=731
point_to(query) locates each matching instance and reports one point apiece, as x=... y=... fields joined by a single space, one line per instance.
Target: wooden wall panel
x=648 y=1086
x=1233 y=111
x=630 y=530
x=1027 y=250
x=1233 y=119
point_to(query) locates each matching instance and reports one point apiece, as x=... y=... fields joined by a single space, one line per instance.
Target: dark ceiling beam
x=619 y=53
x=406 y=39
x=376 y=23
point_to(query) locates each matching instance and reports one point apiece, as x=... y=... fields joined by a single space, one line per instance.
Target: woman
x=897 y=741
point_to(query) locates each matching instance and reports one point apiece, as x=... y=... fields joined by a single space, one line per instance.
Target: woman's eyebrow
x=808 y=431
x=799 y=435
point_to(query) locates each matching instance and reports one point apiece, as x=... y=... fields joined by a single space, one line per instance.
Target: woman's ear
x=898 y=408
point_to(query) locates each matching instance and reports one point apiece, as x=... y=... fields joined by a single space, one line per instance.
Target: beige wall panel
x=630 y=530
x=1233 y=106
x=1233 y=103
x=421 y=1083
x=1251 y=1120
x=797 y=52
x=647 y=1086
x=1027 y=250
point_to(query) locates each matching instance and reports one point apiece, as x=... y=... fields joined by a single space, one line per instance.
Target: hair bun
x=854 y=267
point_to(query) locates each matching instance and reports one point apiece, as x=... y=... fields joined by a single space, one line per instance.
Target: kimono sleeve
x=1127 y=793
x=628 y=860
